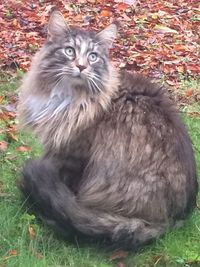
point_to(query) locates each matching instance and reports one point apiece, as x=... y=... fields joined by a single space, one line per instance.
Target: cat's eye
x=70 y=51
x=92 y=57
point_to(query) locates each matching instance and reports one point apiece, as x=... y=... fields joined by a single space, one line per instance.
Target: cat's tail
x=57 y=204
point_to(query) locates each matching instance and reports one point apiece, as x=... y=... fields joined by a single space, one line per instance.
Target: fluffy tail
x=54 y=201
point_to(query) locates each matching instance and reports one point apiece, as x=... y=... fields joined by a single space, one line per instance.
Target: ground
x=159 y=39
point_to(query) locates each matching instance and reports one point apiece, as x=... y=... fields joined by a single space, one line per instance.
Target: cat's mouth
x=79 y=74
x=84 y=79
x=78 y=79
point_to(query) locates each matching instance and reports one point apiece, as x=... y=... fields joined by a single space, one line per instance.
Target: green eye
x=92 y=57
x=70 y=51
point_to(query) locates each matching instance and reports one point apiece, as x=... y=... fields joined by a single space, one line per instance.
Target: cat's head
x=75 y=56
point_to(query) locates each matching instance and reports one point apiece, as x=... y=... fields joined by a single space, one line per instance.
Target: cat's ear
x=57 y=25
x=108 y=35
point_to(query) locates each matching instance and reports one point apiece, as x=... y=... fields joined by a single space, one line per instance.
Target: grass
x=26 y=242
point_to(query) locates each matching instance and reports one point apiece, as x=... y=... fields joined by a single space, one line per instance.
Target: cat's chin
x=78 y=81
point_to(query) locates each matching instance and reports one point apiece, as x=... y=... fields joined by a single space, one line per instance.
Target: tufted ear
x=57 y=25
x=108 y=35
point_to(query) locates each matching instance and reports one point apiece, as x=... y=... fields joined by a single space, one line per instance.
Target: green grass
x=20 y=248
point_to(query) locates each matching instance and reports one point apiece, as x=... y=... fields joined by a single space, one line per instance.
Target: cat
x=118 y=162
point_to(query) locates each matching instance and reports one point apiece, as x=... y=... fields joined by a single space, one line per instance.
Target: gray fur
x=118 y=161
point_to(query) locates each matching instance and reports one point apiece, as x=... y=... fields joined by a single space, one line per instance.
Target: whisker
x=46 y=108
x=96 y=86
x=91 y=86
x=59 y=79
x=93 y=78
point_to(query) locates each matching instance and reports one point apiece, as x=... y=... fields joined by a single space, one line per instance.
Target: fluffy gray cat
x=118 y=162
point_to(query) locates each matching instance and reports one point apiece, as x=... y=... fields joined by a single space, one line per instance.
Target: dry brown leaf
x=3 y=116
x=13 y=252
x=189 y=92
x=11 y=157
x=105 y=13
x=15 y=22
x=31 y=232
x=38 y=255
x=24 y=148
x=119 y=254
x=121 y=264
x=11 y=136
x=164 y=29
x=3 y=146
x=78 y=17
x=170 y=82
x=180 y=69
x=122 y=6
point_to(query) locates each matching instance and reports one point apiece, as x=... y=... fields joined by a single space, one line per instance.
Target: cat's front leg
x=69 y=166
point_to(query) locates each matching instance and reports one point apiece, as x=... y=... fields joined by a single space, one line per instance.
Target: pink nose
x=81 y=67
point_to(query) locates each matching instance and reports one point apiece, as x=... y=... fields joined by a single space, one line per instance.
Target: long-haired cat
x=118 y=161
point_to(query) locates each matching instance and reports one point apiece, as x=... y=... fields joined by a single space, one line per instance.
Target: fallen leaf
x=193 y=67
x=131 y=2
x=170 y=82
x=15 y=22
x=3 y=115
x=166 y=69
x=121 y=264
x=13 y=252
x=38 y=255
x=164 y=29
x=78 y=17
x=31 y=232
x=11 y=136
x=194 y=114
x=11 y=157
x=12 y=128
x=126 y=18
x=156 y=259
x=3 y=146
x=189 y=92
x=119 y=254
x=105 y=13
x=24 y=148
x=122 y=6
x=122 y=65
x=180 y=69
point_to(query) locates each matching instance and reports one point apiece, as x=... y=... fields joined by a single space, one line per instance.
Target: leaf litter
x=153 y=34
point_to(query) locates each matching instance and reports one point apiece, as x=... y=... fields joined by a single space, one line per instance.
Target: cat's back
x=153 y=135
x=142 y=102
x=144 y=115
x=144 y=98
x=144 y=139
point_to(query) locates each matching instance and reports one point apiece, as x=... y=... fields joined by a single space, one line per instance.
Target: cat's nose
x=81 y=67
